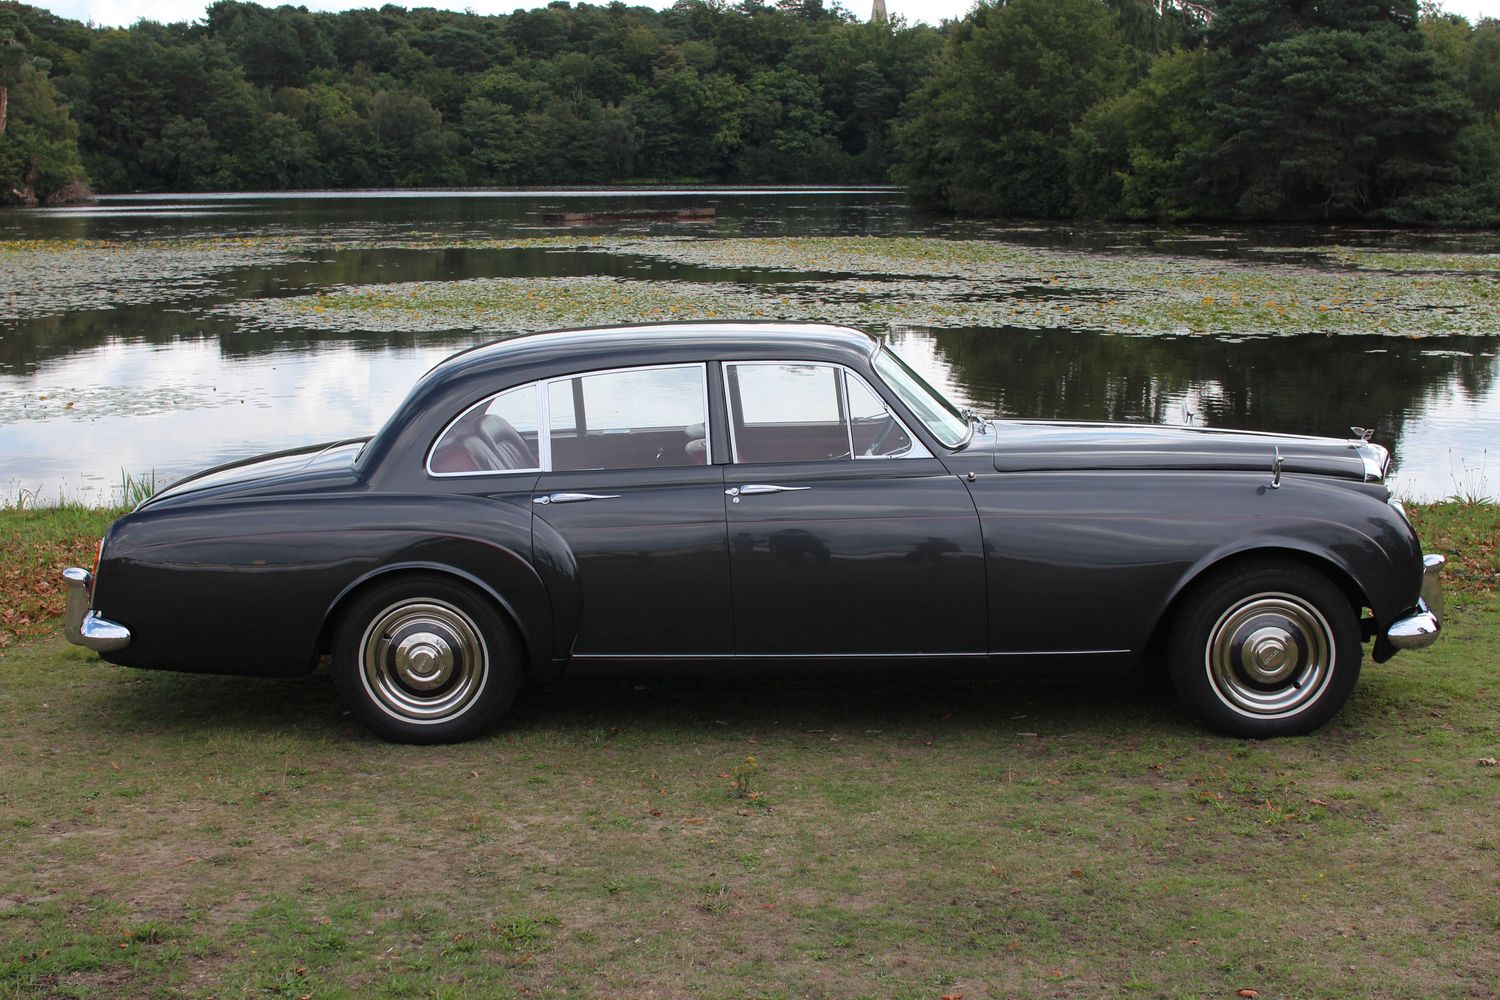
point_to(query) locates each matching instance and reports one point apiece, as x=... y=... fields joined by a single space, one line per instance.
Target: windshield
x=940 y=417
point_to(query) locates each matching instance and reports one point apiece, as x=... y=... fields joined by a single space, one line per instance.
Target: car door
x=846 y=536
x=629 y=487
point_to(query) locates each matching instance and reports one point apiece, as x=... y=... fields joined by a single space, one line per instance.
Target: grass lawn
x=901 y=834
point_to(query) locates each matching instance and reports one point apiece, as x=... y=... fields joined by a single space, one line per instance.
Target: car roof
x=707 y=339
x=471 y=375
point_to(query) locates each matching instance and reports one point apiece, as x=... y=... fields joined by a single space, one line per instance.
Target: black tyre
x=426 y=660
x=1265 y=648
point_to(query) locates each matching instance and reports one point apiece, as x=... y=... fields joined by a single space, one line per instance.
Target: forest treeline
x=1141 y=109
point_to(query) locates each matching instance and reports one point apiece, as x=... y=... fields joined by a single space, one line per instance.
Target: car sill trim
x=843 y=656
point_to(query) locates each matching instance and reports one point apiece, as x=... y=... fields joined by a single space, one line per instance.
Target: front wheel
x=1265 y=648
x=425 y=660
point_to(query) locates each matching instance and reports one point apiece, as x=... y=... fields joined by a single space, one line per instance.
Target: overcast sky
x=119 y=12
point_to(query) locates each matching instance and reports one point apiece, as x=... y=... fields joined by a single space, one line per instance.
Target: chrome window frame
x=884 y=349
x=912 y=452
x=544 y=419
x=485 y=401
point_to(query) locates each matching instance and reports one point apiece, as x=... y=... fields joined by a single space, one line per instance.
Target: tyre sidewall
x=502 y=651
x=1210 y=600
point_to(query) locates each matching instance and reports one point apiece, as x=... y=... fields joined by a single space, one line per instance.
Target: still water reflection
x=150 y=381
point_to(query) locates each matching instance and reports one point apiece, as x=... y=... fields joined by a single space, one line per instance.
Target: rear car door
x=630 y=488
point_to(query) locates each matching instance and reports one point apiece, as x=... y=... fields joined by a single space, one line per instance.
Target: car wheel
x=1265 y=648
x=425 y=660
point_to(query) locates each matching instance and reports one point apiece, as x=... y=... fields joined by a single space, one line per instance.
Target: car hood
x=331 y=459
x=1057 y=446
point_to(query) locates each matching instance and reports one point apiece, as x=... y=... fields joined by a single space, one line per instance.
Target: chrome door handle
x=574 y=497
x=750 y=489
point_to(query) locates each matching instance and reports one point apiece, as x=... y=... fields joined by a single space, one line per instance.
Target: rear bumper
x=1420 y=628
x=84 y=626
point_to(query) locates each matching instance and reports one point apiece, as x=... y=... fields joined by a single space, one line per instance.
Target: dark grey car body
x=1030 y=540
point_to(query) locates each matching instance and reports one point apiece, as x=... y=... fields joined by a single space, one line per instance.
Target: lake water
x=124 y=348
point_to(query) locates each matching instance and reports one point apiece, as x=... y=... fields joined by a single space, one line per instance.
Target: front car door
x=846 y=536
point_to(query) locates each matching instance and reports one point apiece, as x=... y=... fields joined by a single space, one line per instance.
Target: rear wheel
x=1265 y=648
x=425 y=660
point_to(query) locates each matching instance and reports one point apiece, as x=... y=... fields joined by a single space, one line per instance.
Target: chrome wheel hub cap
x=1270 y=655
x=423 y=661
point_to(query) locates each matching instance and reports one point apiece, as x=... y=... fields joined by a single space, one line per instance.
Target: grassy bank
x=846 y=836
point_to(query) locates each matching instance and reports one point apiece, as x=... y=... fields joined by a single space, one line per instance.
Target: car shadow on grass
x=673 y=701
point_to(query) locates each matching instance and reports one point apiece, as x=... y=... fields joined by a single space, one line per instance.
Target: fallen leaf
x=1248 y=994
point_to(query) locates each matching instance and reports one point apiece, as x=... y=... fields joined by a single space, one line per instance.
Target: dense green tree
x=1141 y=109
x=39 y=148
x=989 y=129
x=39 y=157
x=1139 y=155
x=1331 y=110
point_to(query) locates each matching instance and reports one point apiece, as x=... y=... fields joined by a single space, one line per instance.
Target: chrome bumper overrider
x=1421 y=629
x=85 y=627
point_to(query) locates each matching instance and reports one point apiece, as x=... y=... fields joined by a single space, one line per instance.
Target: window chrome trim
x=849 y=410
x=541 y=454
x=912 y=452
x=544 y=418
x=900 y=362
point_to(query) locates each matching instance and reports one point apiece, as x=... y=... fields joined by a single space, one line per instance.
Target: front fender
x=1371 y=546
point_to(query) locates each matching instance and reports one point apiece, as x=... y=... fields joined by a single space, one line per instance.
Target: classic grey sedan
x=754 y=491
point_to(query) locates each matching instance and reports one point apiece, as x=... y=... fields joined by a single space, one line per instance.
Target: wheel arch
x=534 y=636
x=1341 y=575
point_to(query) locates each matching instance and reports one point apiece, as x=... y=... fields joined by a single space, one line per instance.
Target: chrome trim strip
x=837 y=656
x=779 y=656
x=83 y=626
x=544 y=425
x=849 y=410
x=1061 y=652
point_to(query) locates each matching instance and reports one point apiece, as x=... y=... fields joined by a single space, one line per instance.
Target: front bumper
x=1421 y=628
x=84 y=626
